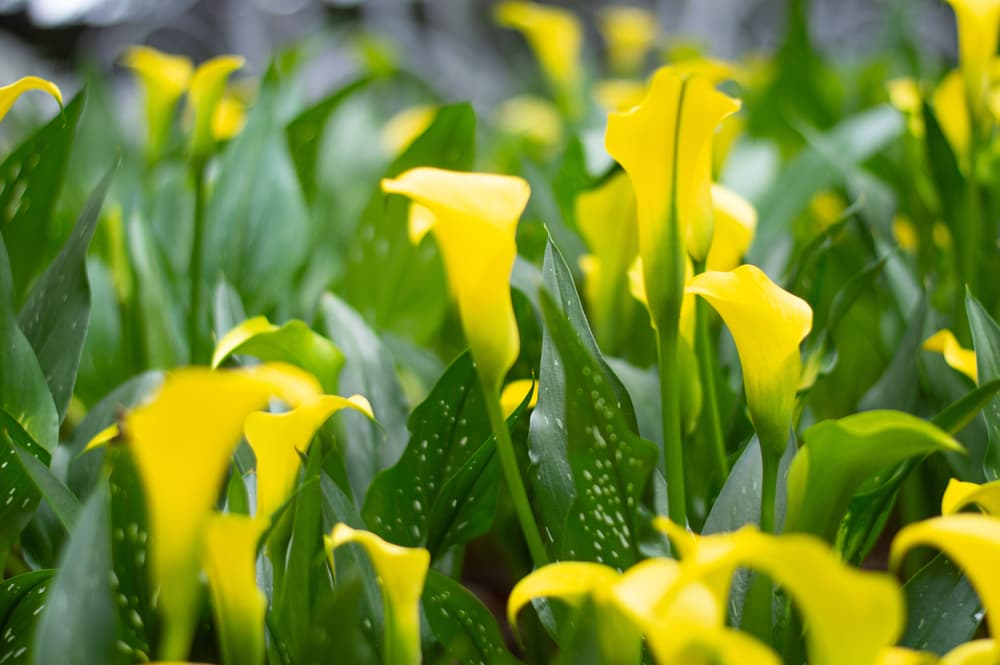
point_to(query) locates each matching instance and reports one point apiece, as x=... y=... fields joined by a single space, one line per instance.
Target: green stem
x=757 y=612
x=512 y=473
x=769 y=489
x=670 y=406
x=710 y=404
x=197 y=259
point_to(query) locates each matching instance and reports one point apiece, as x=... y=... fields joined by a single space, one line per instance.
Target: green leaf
x=446 y=430
x=19 y=495
x=163 y=339
x=78 y=625
x=296 y=343
x=335 y=627
x=897 y=387
x=64 y=503
x=819 y=166
x=986 y=342
x=369 y=447
x=610 y=463
x=256 y=220
x=22 y=598
x=304 y=133
x=551 y=475
x=394 y=285
x=942 y=608
x=462 y=624
x=837 y=456
x=31 y=179
x=56 y=314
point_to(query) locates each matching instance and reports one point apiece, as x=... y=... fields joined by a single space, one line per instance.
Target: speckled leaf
x=610 y=463
x=22 y=599
x=446 y=429
x=56 y=314
x=942 y=608
x=78 y=625
x=986 y=342
x=19 y=495
x=462 y=624
x=369 y=446
x=30 y=181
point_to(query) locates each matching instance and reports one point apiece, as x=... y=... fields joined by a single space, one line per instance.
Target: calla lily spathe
x=474 y=218
x=401 y=573
x=182 y=442
x=978 y=22
x=10 y=93
x=959 y=494
x=735 y=221
x=164 y=78
x=957 y=357
x=629 y=33
x=767 y=324
x=208 y=84
x=665 y=146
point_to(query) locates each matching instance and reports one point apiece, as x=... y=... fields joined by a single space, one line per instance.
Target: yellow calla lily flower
x=555 y=36
x=904 y=656
x=229 y=118
x=906 y=234
x=959 y=495
x=951 y=108
x=230 y=563
x=978 y=22
x=404 y=128
x=606 y=217
x=164 y=78
x=768 y=324
x=181 y=442
x=958 y=358
x=401 y=573
x=629 y=33
x=278 y=439
x=208 y=84
x=735 y=223
x=972 y=542
x=976 y=652
x=904 y=94
x=10 y=93
x=835 y=599
x=619 y=94
x=514 y=393
x=474 y=218
x=665 y=146
x=106 y=435
x=531 y=118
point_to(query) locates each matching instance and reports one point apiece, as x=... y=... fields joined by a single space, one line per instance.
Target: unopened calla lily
x=768 y=324
x=10 y=93
x=401 y=573
x=978 y=23
x=957 y=357
x=189 y=431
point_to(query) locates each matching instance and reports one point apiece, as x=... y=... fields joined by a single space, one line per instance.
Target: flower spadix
x=10 y=93
x=181 y=442
x=959 y=494
x=957 y=357
x=835 y=600
x=665 y=146
x=768 y=324
x=978 y=22
x=279 y=439
x=230 y=564
x=972 y=542
x=401 y=572
x=474 y=218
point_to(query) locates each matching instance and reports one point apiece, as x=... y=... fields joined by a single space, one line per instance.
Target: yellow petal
x=959 y=495
x=238 y=335
x=164 y=78
x=278 y=439
x=181 y=442
x=905 y=233
x=726 y=137
x=619 y=94
x=230 y=563
x=827 y=209
x=531 y=118
x=629 y=33
x=690 y=644
x=903 y=656
x=569 y=581
x=665 y=146
x=735 y=223
x=553 y=33
x=401 y=572
x=972 y=542
x=404 y=128
x=952 y=112
x=229 y=118
x=976 y=652
x=767 y=323
x=10 y=93
x=904 y=94
x=978 y=22
x=835 y=600
x=107 y=434
x=207 y=87
x=475 y=219
x=958 y=358
x=514 y=393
